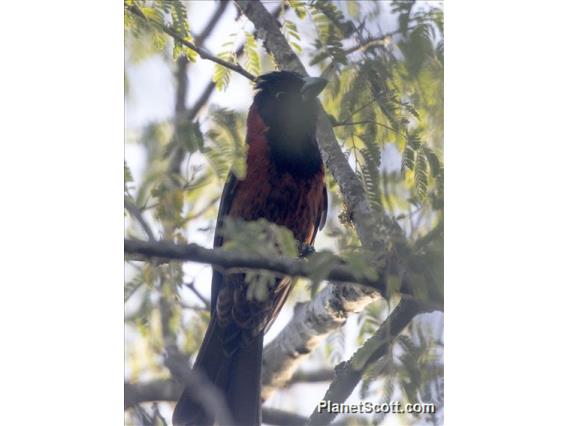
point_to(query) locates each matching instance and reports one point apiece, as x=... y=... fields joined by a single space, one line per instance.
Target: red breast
x=278 y=196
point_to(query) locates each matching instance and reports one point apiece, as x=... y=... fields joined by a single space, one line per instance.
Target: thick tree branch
x=204 y=54
x=349 y=374
x=323 y=375
x=311 y=324
x=170 y=390
x=229 y=260
x=155 y=390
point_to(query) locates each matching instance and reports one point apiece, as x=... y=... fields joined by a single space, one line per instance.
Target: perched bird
x=285 y=185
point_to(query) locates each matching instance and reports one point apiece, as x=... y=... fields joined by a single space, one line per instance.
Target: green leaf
x=221 y=74
x=421 y=175
x=221 y=77
x=299 y=7
x=290 y=31
x=252 y=62
x=127 y=178
x=353 y=8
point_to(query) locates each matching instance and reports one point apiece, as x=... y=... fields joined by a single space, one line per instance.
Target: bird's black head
x=287 y=103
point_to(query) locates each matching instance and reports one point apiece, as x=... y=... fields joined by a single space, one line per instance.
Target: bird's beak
x=312 y=87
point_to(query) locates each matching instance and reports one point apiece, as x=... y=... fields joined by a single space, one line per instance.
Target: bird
x=285 y=185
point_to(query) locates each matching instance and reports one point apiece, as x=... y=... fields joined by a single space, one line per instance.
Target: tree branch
x=155 y=390
x=354 y=123
x=228 y=260
x=323 y=375
x=311 y=323
x=349 y=373
x=170 y=390
x=137 y=214
x=382 y=40
x=191 y=286
x=204 y=54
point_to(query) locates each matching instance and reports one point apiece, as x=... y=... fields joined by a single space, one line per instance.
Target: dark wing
x=320 y=223
x=224 y=207
x=285 y=285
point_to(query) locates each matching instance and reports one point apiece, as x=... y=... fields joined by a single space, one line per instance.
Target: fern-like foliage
x=252 y=61
x=332 y=28
x=299 y=7
x=290 y=31
x=179 y=23
x=227 y=150
x=403 y=9
x=222 y=75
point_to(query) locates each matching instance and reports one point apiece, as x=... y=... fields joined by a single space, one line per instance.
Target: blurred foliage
x=384 y=62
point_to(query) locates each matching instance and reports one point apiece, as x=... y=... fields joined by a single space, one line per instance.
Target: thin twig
x=191 y=286
x=204 y=54
x=429 y=237
x=363 y=107
x=200 y=212
x=193 y=307
x=354 y=123
x=137 y=214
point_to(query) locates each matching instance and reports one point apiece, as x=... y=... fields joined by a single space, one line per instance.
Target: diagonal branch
x=204 y=54
x=311 y=323
x=137 y=214
x=349 y=374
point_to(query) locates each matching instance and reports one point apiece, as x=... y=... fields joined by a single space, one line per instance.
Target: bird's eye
x=279 y=95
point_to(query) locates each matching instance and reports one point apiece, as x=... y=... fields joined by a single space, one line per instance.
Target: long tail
x=236 y=375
